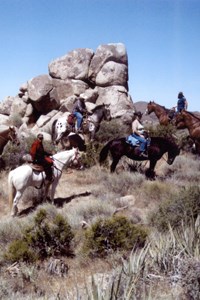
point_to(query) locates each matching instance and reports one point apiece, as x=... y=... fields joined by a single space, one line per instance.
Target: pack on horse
x=191 y=121
x=163 y=114
x=158 y=146
x=25 y=175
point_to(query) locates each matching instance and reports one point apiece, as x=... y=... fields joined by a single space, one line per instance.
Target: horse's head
x=13 y=136
x=150 y=108
x=76 y=157
x=174 y=150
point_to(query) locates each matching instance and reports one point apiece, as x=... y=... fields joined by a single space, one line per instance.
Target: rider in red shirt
x=41 y=157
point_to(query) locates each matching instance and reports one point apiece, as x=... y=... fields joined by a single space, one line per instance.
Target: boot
x=49 y=175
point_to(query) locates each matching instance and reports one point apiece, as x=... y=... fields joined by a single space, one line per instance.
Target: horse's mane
x=162 y=106
x=97 y=107
x=193 y=115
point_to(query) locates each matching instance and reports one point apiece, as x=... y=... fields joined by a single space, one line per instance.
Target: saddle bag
x=71 y=119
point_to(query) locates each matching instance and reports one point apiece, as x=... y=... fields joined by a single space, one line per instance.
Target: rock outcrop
x=99 y=77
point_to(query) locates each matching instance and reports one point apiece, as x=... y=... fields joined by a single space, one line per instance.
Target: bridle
x=74 y=159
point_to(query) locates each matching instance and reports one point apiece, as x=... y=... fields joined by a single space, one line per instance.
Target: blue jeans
x=143 y=142
x=79 y=118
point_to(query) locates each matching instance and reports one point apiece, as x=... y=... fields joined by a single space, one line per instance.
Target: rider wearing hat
x=138 y=133
x=41 y=157
x=78 y=110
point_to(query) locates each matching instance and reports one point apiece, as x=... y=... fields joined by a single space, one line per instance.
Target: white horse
x=24 y=176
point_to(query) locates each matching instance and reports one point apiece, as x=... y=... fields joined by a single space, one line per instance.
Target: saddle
x=36 y=167
x=26 y=158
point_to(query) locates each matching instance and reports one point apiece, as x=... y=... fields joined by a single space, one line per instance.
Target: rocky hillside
x=99 y=77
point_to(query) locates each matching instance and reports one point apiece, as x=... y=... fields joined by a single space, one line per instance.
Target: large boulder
x=74 y=65
x=5 y=105
x=118 y=98
x=112 y=73
x=106 y=53
x=43 y=94
x=99 y=77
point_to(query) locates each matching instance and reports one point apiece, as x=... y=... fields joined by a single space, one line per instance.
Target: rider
x=41 y=157
x=181 y=103
x=78 y=110
x=138 y=134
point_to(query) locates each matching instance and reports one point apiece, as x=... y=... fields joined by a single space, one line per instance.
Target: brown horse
x=163 y=114
x=186 y=119
x=7 y=133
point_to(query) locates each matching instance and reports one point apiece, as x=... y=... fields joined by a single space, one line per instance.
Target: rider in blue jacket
x=181 y=103
x=78 y=110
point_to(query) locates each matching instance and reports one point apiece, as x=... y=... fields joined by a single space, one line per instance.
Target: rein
x=75 y=158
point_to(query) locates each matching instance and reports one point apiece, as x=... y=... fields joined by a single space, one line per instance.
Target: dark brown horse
x=191 y=121
x=163 y=114
x=158 y=146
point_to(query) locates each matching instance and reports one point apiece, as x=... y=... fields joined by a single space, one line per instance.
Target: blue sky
x=161 y=38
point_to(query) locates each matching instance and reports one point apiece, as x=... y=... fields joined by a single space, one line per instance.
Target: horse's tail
x=11 y=190
x=104 y=152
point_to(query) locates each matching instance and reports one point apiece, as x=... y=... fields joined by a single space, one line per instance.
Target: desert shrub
x=19 y=250
x=185 y=169
x=182 y=207
x=111 y=130
x=123 y=183
x=157 y=191
x=190 y=274
x=161 y=130
x=112 y=234
x=44 y=238
x=91 y=157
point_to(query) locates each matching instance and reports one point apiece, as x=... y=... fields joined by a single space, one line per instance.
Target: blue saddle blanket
x=132 y=140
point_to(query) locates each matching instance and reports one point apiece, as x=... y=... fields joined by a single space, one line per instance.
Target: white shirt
x=137 y=127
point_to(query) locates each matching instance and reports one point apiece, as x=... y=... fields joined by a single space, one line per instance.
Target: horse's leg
x=150 y=173
x=114 y=164
x=15 y=203
x=53 y=190
x=46 y=190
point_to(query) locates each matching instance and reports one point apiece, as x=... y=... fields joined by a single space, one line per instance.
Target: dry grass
x=153 y=272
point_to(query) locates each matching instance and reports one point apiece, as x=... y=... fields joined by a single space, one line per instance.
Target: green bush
x=161 y=130
x=19 y=250
x=44 y=238
x=91 y=157
x=183 y=207
x=115 y=233
x=111 y=130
